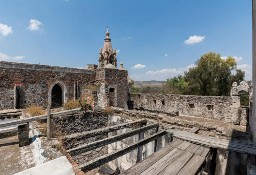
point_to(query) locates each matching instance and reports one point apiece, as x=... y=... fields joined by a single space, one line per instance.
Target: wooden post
x=156 y=141
x=140 y=148
x=48 y=122
x=252 y=119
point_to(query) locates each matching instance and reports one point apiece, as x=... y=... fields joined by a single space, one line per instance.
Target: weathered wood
x=91 y=133
x=36 y=118
x=174 y=167
x=184 y=145
x=193 y=165
x=162 y=163
x=140 y=148
x=244 y=147
x=49 y=122
x=115 y=154
x=138 y=168
x=192 y=148
x=106 y=141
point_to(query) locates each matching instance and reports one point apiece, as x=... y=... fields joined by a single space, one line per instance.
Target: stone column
x=23 y=134
x=252 y=117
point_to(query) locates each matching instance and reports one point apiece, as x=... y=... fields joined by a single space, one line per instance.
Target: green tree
x=175 y=85
x=212 y=75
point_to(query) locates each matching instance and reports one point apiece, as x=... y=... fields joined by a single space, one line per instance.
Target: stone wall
x=35 y=82
x=113 y=88
x=222 y=108
x=77 y=123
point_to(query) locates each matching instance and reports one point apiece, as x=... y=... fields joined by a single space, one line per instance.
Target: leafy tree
x=212 y=75
x=175 y=85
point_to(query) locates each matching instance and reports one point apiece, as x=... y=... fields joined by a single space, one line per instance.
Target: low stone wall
x=77 y=123
x=222 y=108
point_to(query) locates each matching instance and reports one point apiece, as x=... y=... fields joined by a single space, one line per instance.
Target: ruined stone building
x=24 y=85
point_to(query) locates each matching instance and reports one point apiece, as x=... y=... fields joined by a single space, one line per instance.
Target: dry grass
x=71 y=104
x=35 y=110
x=108 y=110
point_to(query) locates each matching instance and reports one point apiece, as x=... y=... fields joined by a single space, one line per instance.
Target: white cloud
x=138 y=66
x=194 y=40
x=18 y=57
x=235 y=57
x=4 y=57
x=247 y=69
x=5 y=30
x=166 y=54
x=34 y=24
x=171 y=71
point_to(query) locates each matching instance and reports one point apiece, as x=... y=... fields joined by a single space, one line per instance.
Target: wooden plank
x=36 y=118
x=193 y=165
x=205 y=152
x=174 y=167
x=138 y=168
x=192 y=148
x=199 y=151
x=106 y=141
x=236 y=146
x=162 y=163
x=115 y=154
x=184 y=145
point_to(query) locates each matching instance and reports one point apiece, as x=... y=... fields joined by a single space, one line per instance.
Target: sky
x=155 y=39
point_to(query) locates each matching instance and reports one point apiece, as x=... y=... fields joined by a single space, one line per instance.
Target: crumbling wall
x=222 y=108
x=35 y=81
x=77 y=123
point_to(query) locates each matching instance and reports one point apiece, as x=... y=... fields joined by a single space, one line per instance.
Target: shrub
x=71 y=104
x=35 y=110
x=87 y=103
x=108 y=110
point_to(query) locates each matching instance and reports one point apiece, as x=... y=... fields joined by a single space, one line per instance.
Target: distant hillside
x=152 y=83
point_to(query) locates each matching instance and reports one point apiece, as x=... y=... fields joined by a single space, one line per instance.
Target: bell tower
x=107 y=55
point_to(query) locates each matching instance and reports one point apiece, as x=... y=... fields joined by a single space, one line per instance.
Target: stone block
x=23 y=134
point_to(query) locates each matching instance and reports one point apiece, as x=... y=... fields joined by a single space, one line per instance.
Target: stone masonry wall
x=117 y=80
x=35 y=82
x=77 y=123
x=222 y=108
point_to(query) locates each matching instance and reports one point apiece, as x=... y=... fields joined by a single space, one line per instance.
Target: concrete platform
x=59 y=166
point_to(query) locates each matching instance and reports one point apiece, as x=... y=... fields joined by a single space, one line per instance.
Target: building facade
x=23 y=85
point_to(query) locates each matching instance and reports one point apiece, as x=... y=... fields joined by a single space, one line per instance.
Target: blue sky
x=155 y=39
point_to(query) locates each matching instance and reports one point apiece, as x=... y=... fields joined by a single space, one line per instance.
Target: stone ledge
x=59 y=166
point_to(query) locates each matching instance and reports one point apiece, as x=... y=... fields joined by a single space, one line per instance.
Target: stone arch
x=57 y=94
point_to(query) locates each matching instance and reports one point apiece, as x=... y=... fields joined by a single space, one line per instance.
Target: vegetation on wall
x=71 y=104
x=35 y=110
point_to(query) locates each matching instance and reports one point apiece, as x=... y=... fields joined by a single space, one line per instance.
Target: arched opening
x=244 y=98
x=57 y=97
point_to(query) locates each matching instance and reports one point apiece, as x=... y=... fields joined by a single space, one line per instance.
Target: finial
x=121 y=66
x=107 y=30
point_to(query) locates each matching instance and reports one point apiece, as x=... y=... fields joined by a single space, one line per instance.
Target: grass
x=71 y=104
x=35 y=110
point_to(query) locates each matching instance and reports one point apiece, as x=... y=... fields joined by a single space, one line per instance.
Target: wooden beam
x=106 y=141
x=36 y=118
x=244 y=147
x=88 y=134
x=115 y=154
